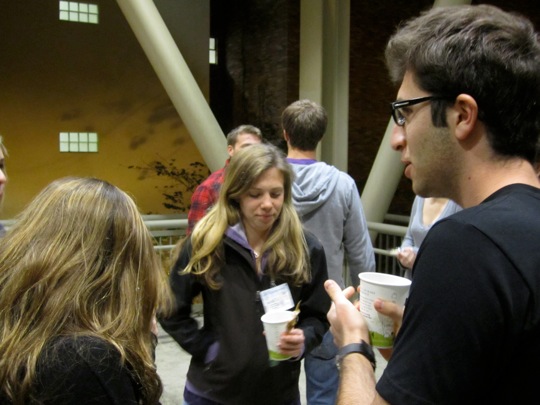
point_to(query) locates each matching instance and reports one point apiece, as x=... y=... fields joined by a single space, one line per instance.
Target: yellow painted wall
x=62 y=76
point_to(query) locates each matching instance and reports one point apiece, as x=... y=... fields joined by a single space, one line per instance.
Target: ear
x=230 y=150
x=464 y=116
x=285 y=136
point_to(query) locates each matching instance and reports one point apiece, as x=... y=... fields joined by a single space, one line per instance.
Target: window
x=79 y=12
x=213 y=52
x=79 y=142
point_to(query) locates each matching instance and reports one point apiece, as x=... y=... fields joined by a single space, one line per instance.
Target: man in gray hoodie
x=328 y=203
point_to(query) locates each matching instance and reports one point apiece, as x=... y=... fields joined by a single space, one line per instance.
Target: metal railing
x=388 y=237
x=167 y=230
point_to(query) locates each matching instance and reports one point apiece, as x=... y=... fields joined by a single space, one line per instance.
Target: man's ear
x=464 y=116
x=285 y=136
x=230 y=150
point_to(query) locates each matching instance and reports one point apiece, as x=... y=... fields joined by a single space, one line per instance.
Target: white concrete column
x=324 y=71
x=311 y=53
x=311 y=50
x=382 y=181
x=335 y=144
x=179 y=83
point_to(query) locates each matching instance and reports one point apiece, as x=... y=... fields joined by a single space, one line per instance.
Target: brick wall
x=259 y=76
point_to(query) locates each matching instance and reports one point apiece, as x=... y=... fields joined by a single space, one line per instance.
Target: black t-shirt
x=471 y=328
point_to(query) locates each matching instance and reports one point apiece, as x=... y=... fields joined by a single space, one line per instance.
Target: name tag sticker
x=278 y=298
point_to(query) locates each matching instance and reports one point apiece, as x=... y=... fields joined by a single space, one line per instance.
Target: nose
x=266 y=201
x=3 y=177
x=397 y=139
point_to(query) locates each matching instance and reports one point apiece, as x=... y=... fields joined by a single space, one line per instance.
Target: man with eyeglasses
x=467 y=121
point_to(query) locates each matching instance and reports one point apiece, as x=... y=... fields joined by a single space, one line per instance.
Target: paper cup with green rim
x=275 y=323
x=387 y=287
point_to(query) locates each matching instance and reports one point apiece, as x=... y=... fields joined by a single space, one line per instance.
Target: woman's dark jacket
x=230 y=363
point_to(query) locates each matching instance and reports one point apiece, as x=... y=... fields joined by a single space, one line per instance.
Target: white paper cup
x=275 y=323
x=387 y=287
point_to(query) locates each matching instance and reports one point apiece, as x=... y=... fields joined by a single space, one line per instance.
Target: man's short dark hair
x=232 y=136
x=482 y=51
x=305 y=123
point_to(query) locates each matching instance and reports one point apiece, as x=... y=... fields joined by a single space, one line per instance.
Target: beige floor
x=172 y=364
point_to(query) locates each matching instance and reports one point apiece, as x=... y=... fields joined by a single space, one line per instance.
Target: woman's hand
x=292 y=343
x=406 y=257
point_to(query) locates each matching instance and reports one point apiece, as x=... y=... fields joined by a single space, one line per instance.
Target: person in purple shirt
x=328 y=203
x=249 y=246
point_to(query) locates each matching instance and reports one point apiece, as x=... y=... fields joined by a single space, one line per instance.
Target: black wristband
x=363 y=348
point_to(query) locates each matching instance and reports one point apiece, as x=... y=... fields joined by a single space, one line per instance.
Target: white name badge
x=278 y=298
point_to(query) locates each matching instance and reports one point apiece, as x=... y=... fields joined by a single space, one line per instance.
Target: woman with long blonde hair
x=80 y=285
x=248 y=247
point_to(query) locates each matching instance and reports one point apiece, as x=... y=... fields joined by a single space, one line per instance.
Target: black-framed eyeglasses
x=398 y=117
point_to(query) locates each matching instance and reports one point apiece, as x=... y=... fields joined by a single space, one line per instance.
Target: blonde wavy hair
x=286 y=247
x=79 y=261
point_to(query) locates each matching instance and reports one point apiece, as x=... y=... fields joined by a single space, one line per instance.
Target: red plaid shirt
x=204 y=197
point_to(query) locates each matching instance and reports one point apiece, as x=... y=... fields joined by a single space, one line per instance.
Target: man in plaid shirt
x=206 y=194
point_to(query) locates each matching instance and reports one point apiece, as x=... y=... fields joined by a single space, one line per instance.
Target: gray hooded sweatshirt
x=329 y=205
